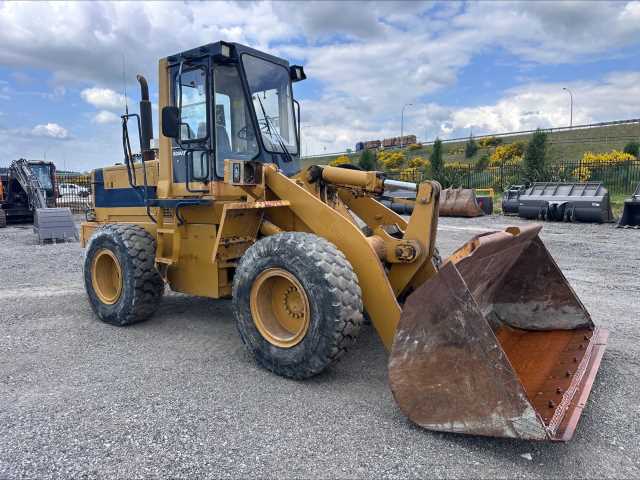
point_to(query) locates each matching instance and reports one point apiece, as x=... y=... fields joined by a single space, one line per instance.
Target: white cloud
x=105 y=117
x=547 y=105
x=103 y=98
x=50 y=130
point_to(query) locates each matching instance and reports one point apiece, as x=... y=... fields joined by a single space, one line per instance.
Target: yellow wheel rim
x=106 y=276
x=279 y=307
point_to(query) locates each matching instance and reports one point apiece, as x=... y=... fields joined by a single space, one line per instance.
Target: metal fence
x=617 y=177
x=74 y=192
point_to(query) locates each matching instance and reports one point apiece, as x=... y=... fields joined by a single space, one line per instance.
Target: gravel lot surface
x=178 y=396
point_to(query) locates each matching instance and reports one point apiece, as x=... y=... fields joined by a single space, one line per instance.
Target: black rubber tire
x=143 y=286
x=3 y=218
x=334 y=295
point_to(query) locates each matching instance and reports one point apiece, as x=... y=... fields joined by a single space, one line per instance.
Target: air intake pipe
x=146 y=121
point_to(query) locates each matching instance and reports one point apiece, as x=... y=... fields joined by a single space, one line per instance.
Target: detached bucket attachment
x=496 y=344
x=459 y=202
x=54 y=224
x=511 y=199
x=570 y=202
x=631 y=211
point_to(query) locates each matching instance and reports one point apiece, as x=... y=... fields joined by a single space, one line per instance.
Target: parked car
x=72 y=190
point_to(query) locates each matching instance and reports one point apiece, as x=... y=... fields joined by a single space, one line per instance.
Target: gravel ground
x=177 y=396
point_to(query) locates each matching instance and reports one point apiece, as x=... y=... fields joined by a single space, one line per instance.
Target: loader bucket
x=459 y=202
x=496 y=344
x=631 y=211
x=54 y=224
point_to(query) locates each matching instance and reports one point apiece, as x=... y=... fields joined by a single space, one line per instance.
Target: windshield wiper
x=278 y=137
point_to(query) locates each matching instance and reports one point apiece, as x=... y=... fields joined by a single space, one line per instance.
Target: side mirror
x=171 y=122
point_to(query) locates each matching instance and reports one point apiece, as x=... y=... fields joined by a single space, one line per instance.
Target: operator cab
x=230 y=101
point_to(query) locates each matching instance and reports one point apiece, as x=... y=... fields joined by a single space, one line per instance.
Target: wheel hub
x=106 y=276
x=279 y=307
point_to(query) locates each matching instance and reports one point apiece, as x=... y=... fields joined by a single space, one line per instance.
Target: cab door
x=192 y=151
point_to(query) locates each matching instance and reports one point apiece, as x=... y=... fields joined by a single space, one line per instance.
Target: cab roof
x=216 y=50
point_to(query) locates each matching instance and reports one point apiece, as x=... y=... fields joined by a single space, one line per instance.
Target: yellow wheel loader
x=492 y=342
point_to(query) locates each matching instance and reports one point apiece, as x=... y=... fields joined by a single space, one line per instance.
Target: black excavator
x=28 y=193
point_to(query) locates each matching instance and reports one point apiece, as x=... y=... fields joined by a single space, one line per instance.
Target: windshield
x=43 y=173
x=270 y=90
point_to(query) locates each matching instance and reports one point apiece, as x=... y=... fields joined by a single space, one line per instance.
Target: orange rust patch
x=545 y=363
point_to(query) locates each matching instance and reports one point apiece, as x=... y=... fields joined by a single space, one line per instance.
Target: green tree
x=437 y=167
x=470 y=148
x=367 y=160
x=535 y=157
x=482 y=162
x=633 y=148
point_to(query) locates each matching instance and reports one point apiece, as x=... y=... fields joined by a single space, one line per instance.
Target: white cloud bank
x=366 y=59
x=50 y=130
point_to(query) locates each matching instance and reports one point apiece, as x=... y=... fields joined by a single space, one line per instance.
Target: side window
x=191 y=95
x=194 y=105
x=235 y=137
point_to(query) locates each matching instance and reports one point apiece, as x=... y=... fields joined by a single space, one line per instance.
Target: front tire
x=297 y=303
x=120 y=276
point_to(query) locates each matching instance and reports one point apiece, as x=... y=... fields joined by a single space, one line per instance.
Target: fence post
x=501 y=177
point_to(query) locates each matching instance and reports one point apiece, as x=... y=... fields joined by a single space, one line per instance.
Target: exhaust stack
x=146 y=121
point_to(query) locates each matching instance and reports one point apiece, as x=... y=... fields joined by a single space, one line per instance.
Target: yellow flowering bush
x=418 y=162
x=341 y=160
x=510 y=154
x=594 y=165
x=612 y=157
x=414 y=146
x=391 y=160
x=582 y=173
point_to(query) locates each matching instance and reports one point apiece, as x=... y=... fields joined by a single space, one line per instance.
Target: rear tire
x=325 y=317
x=120 y=276
x=3 y=218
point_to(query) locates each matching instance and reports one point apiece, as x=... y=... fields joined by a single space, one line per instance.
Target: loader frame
x=227 y=209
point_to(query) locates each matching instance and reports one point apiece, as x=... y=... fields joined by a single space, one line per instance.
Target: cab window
x=270 y=89
x=192 y=92
x=235 y=136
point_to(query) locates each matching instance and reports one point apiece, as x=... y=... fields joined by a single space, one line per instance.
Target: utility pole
x=402 y=122
x=571 y=107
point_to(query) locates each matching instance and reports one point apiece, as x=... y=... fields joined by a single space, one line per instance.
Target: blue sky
x=486 y=67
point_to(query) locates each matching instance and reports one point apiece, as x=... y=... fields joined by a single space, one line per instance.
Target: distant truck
x=393 y=142
x=72 y=190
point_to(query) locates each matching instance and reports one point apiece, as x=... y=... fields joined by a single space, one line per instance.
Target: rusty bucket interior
x=496 y=344
x=459 y=202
